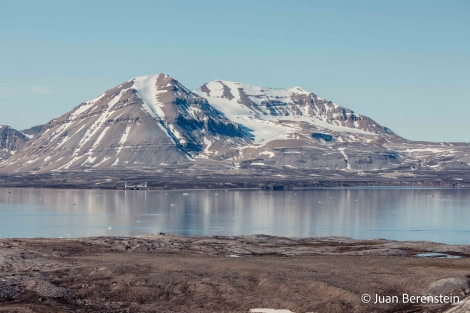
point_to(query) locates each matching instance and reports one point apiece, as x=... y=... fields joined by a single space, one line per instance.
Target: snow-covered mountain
x=294 y=128
x=297 y=129
x=146 y=122
x=152 y=122
x=277 y=114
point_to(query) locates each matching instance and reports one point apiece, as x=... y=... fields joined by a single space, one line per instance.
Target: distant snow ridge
x=245 y=99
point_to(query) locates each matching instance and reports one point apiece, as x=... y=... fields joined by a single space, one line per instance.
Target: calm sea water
x=440 y=215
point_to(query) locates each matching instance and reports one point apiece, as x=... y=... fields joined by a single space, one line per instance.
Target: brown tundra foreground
x=170 y=273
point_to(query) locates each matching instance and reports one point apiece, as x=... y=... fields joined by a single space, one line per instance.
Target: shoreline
x=386 y=243
x=174 y=273
x=268 y=178
x=417 y=186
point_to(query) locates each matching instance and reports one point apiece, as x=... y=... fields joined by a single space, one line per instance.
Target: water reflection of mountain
x=391 y=213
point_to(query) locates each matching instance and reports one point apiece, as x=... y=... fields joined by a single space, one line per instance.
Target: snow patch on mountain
x=345 y=157
x=146 y=89
x=270 y=154
x=124 y=136
x=95 y=127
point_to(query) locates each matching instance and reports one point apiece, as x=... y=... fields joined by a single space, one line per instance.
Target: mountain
x=11 y=141
x=271 y=112
x=146 y=122
x=154 y=124
x=295 y=128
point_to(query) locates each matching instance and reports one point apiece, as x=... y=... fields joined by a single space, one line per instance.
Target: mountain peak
x=151 y=76
x=299 y=89
x=160 y=81
x=250 y=90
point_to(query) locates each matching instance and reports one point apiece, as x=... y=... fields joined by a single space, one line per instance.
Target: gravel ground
x=169 y=273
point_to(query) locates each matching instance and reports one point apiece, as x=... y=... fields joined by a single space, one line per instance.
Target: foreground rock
x=169 y=273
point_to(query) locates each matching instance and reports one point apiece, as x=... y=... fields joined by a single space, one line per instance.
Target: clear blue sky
x=405 y=64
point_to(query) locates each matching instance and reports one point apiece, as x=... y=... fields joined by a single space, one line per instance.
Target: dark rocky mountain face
x=11 y=141
x=189 y=119
x=153 y=122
